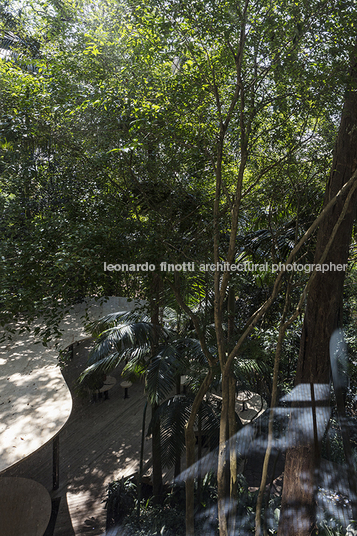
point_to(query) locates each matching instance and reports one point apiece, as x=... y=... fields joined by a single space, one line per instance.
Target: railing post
x=55 y=462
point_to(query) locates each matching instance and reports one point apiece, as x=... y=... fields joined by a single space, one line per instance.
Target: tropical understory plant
x=128 y=339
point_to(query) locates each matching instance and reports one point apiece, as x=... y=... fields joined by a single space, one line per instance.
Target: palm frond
x=97 y=327
x=192 y=349
x=135 y=367
x=247 y=371
x=121 y=343
x=174 y=320
x=162 y=372
x=104 y=365
x=124 y=339
x=173 y=415
x=210 y=418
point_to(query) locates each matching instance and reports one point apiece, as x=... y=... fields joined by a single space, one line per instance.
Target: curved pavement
x=35 y=401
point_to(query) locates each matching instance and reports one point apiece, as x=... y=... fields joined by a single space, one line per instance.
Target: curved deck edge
x=35 y=402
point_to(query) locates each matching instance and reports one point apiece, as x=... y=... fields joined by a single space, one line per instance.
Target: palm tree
x=129 y=339
x=146 y=349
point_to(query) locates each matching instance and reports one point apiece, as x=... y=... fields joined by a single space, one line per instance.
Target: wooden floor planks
x=100 y=443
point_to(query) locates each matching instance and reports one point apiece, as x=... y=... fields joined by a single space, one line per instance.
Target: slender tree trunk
x=156 y=457
x=322 y=316
x=258 y=511
x=233 y=458
x=282 y=329
x=177 y=469
x=141 y=463
x=190 y=482
x=199 y=456
x=223 y=459
x=190 y=453
x=232 y=424
x=156 y=446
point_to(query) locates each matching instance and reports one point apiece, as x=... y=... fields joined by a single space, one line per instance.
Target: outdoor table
x=126 y=386
x=25 y=507
x=108 y=384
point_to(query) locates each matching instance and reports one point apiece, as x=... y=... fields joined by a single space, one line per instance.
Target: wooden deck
x=99 y=443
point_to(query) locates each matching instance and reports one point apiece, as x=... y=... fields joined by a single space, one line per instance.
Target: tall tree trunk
x=156 y=446
x=223 y=460
x=141 y=462
x=190 y=481
x=156 y=457
x=233 y=458
x=322 y=316
x=232 y=424
x=177 y=468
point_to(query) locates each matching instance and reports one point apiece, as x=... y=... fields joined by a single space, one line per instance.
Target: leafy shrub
x=121 y=498
x=155 y=520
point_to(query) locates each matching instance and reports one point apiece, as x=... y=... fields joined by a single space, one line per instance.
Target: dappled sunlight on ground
x=35 y=401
